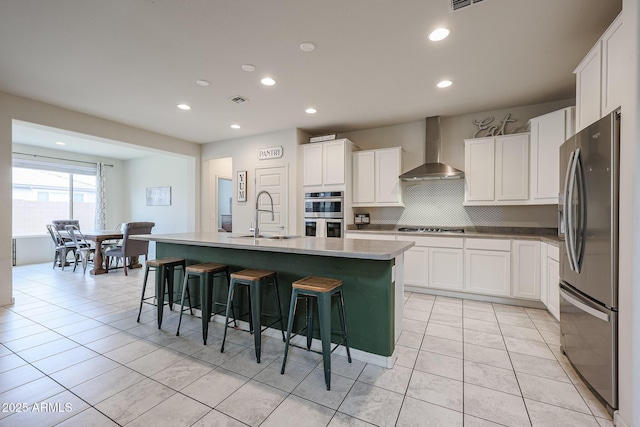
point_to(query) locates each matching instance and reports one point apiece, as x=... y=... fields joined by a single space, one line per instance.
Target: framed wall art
x=158 y=196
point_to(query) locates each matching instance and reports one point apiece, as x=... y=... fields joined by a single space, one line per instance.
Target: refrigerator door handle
x=568 y=220
x=582 y=306
x=580 y=229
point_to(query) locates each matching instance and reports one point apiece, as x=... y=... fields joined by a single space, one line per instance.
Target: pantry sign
x=270 y=153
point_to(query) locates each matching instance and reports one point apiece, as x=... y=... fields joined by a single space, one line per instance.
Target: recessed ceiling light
x=445 y=83
x=202 y=83
x=307 y=47
x=60 y=143
x=235 y=126
x=310 y=110
x=184 y=107
x=248 y=67
x=268 y=81
x=439 y=34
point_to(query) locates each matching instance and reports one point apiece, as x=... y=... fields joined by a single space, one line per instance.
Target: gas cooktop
x=430 y=230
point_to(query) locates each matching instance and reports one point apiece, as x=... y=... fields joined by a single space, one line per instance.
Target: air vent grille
x=238 y=99
x=459 y=4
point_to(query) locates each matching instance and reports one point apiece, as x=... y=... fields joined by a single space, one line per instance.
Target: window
x=44 y=191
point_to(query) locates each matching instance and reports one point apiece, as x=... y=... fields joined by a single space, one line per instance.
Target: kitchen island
x=372 y=273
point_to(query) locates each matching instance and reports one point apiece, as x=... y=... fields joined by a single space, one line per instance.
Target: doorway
x=225 y=201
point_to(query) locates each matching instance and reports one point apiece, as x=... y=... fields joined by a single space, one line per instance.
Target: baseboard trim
x=618 y=421
x=476 y=297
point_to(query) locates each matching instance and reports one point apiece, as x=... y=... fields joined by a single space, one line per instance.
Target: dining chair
x=84 y=250
x=62 y=246
x=130 y=248
x=112 y=244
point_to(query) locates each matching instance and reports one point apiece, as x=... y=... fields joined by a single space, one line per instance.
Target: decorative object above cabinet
x=375 y=177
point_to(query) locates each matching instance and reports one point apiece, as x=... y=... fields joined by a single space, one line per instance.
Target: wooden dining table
x=99 y=236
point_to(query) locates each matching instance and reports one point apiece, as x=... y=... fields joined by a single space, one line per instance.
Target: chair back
x=54 y=235
x=132 y=247
x=77 y=236
x=60 y=224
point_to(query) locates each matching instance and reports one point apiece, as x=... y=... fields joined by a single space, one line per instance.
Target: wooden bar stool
x=206 y=273
x=322 y=289
x=164 y=268
x=254 y=280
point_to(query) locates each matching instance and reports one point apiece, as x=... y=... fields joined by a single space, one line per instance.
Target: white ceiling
x=133 y=61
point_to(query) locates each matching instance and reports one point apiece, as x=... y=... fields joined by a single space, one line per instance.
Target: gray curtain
x=101 y=198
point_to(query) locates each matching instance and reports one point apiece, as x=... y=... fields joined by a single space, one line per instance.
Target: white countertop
x=333 y=247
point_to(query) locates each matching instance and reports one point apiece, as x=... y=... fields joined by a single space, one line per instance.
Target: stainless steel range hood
x=432 y=168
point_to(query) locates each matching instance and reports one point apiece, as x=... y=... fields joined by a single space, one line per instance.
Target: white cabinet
x=324 y=164
x=375 y=177
x=550 y=278
x=512 y=167
x=588 y=75
x=497 y=170
x=488 y=266
x=435 y=262
x=614 y=56
x=526 y=269
x=479 y=170
x=363 y=173
x=548 y=133
x=600 y=77
x=553 y=280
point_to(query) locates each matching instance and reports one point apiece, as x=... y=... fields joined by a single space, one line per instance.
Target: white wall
x=18 y=108
x=244 y=152
x=177 y=172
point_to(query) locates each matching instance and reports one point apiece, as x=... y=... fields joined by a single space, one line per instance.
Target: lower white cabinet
x=526 y=269
x=550 y=286
x=488 y=266
x=435 y=262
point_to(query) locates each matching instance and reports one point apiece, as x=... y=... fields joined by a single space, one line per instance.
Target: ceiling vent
x=459 y=4
x=238 y=99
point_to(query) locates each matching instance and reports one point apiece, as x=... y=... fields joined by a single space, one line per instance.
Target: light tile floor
x=71 y=345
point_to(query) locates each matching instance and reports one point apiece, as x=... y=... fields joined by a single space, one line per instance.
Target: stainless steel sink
x=262 y=236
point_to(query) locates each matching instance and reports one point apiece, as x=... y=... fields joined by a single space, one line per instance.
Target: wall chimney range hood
x=432 y=168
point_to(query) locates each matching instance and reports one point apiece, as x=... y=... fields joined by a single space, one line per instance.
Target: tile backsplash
x=439 y=203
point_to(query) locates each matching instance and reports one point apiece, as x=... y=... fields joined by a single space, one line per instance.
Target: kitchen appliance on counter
x=430 y=230
x=588 y=215
x=324 y=214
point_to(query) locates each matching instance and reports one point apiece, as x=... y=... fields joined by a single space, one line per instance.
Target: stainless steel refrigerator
x=588 y=226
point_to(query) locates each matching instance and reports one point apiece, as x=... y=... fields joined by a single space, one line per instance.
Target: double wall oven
x=324 y=214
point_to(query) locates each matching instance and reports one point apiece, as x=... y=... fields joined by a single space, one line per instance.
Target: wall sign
x=270 y=153
x=242 y=186
x=493 y=130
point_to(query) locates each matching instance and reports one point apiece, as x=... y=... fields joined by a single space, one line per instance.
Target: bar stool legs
x=165 y=269
x=254 y=279
x=322 y=290
x=206 y=272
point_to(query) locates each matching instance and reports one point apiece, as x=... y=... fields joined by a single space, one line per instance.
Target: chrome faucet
x=256 y=230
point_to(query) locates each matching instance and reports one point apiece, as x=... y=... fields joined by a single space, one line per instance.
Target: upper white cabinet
x=600 y=77
x=375 y=177
x=324 y=163
x=548 y=133
x=497 y=170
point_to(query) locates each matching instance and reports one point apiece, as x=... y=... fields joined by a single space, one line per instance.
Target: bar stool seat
x=206 y=273
x=254 y=279
x=164 y=268
x=322 y=289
